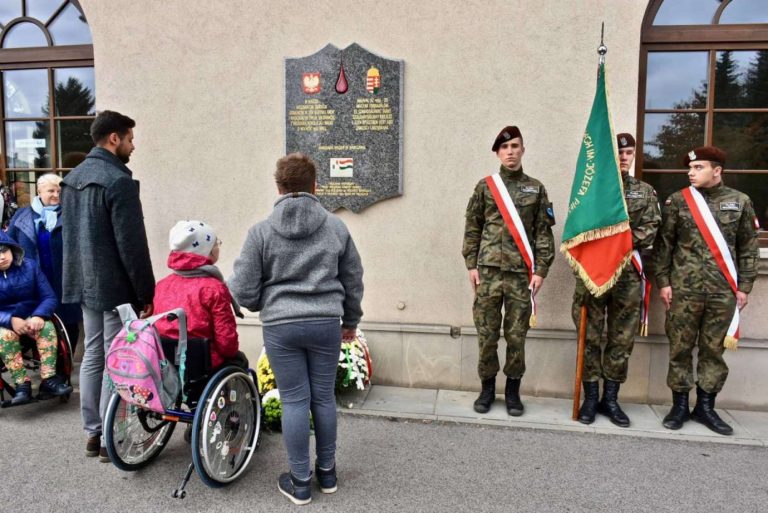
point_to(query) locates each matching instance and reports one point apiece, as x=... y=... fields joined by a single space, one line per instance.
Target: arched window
x=48 y=90
x=704 y=80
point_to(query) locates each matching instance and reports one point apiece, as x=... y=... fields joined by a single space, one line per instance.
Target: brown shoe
x=92 y=446
x=103 y=456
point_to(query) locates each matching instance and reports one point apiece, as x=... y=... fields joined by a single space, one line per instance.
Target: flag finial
x=602 y=49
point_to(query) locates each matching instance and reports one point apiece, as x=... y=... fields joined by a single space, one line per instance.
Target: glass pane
x=744 y=136
x=22 y=185
x=666 y=183
x=756 y=187
x=26 y=93
x=9 y=10
x=668 y=137
x=28 y=144
x=745 y=11
x=741 y=79
x=75 y=91
x=686 y=12
x=42 y=9
x=74 y=141
x=676 y=80
x=24 y=35
x=70 y=28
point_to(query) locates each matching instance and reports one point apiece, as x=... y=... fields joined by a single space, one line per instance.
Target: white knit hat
x=192 y=237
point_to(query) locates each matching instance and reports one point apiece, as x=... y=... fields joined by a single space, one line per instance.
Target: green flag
x=597 y=241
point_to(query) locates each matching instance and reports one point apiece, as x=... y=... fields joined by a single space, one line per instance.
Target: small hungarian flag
x=597 y=240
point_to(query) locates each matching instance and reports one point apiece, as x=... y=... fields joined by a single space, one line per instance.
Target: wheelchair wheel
x=134 y=436
x=226 y=427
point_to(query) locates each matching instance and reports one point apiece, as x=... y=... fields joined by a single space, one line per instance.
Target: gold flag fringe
x=731 y=342
x=590 y=235
x=643 y=332
x=532 y=321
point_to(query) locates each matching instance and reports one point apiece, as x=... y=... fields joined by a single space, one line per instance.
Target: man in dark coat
x=106 y=256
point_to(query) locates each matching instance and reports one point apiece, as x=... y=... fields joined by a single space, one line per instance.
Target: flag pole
x=580 y=359
x=582 y=340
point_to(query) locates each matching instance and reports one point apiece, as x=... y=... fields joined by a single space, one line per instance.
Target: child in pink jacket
x=197 y=286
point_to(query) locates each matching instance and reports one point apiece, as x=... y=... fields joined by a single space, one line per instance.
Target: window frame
x=711 y=38
x=42 y=57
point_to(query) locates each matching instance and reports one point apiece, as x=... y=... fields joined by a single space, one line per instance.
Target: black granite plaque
x=344 y=108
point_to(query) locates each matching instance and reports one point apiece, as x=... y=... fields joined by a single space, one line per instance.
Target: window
x=48 y=90
x=704 y=80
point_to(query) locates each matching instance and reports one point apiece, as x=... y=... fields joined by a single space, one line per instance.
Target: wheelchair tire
x=226 y=428
x=133 y=436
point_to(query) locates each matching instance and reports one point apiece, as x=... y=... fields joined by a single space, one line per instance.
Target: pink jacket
x=207 y=302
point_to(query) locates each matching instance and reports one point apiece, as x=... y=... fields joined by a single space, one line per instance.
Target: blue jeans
x=304 y=357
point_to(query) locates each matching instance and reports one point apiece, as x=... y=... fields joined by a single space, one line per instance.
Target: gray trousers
x=304 y=356
x=99 y=329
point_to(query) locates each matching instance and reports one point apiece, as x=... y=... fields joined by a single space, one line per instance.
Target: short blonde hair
x=49 y=179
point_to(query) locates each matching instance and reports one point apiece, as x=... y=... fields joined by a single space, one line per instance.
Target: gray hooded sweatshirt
x=299 y=264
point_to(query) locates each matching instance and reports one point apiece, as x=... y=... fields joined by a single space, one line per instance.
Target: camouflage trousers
x=620 y=307
x=499 y=288
x=698 y=319
x=10 y=353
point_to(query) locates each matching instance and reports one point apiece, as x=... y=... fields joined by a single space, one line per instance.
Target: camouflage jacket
x=643 y=210
x=683 y=259
x=487 y=240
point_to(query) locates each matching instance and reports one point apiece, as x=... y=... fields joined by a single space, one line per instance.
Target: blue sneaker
x=326 y=478
x=299 y=492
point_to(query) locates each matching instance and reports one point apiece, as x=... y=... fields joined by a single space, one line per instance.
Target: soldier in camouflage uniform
x=498 y=273
x=700 y=304
x=622 y=302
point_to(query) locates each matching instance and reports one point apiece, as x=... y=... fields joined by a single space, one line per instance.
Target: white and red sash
x=645 y=290
x=709 y=229
x=515 y=226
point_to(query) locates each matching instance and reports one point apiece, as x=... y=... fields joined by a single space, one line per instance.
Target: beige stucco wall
x=204 y=80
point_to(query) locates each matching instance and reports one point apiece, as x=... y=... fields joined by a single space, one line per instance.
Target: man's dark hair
x=295 y=173
x=109 y=121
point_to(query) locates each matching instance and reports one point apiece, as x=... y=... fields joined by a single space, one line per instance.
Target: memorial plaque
x=344 y=109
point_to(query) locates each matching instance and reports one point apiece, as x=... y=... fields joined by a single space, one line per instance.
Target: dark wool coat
x=22 y=230
x=106 y=256
x=24 y=289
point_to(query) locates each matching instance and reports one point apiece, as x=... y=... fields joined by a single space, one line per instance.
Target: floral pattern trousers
x=10 y=353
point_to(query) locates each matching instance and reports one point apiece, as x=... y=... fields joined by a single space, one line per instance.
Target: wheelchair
x=223 y=408
x=32 y=363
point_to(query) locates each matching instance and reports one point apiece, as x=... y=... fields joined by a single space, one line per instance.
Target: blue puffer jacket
x=24 y=289
x=22 y=229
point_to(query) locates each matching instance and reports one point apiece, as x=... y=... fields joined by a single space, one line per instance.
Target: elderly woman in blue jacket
x=27 y=303
x=37 y=229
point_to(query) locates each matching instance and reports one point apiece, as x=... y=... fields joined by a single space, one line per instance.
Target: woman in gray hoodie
x=301 y=270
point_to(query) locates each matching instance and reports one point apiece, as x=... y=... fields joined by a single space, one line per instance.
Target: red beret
x=507 y=134
x=711 y=153
x=625 y=140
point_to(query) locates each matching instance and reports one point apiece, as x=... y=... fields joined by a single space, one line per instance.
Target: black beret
x=625 y=140
x=507 y=134
x=711 y=153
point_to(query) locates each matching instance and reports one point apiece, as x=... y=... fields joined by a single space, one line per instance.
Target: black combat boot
x=512 y=397
x=704 y=412
x=609 y=405
x=23 y=394
x=680 y=413
x=487 y=396
x=589 y=406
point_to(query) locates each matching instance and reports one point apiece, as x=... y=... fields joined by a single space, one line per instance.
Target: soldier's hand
x=474 y=279
x=741 y=299
x=665 y=293
x=535 y=284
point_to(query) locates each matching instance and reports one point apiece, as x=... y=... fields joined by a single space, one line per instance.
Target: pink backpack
x=138 y=368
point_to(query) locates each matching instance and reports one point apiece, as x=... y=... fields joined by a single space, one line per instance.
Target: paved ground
x=404 y=465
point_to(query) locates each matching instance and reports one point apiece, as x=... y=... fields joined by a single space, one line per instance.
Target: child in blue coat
x=27 y=303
